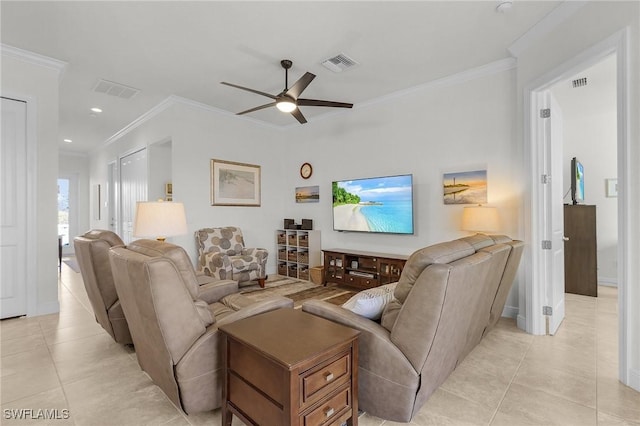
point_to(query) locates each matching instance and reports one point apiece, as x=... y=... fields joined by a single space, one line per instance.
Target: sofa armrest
x=216 y=290
x=271 y=304
x=376 y=351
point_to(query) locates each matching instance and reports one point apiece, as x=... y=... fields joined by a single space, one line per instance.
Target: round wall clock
x=306 y=170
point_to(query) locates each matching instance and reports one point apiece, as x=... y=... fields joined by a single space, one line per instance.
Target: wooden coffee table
x=288 y=367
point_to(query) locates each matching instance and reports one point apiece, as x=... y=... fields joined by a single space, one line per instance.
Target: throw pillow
x=371 y=302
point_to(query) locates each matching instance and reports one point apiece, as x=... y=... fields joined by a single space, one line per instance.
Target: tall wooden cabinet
x=298 y=250
x=580 y=250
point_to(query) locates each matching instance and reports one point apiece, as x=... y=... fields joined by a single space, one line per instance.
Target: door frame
x=533 y=320
x=31 y=197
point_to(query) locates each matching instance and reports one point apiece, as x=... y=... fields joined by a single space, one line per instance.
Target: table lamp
x=159 y=219
x=480 y=219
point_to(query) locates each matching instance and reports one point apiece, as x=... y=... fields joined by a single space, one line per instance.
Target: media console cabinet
x=362 y=269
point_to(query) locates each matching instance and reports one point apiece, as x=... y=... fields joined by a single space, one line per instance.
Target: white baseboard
x=510 y=311
x=634 y=379
x=521 y=322
x=608 y=282
x=48 y=308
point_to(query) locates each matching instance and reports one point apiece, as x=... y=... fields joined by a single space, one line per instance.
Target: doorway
x=67 y=210
x=535 y=284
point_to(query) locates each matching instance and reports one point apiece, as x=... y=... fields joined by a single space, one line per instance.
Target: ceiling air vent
x=339 y=63
x=579 y=82
x=115 y=89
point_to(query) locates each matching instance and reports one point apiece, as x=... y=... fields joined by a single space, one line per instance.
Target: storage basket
x=282 y=269
x=303 y=257
x=282 y=254
x=303 y=273
x=317 y=275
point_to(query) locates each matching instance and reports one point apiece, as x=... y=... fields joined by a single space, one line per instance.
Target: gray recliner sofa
x=92 y=253
x=448 y=297
x=174 y=321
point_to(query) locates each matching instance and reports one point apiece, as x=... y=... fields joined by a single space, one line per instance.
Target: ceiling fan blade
x=300 y=85
x=315 y=102
x=298 y=115
x=258 y=108
x=257 y=92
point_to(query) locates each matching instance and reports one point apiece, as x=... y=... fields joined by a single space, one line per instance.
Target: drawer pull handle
x=328 y=377
x=328 y=412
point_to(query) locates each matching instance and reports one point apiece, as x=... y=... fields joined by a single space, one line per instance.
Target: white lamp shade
x=480 y=219
x=158 y=219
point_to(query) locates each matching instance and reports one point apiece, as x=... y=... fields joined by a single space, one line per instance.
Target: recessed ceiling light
x=94 y=109
x=67 y=140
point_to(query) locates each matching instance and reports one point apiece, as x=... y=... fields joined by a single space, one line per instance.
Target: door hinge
x=547 y=310
x=546 y=244
x=545 y=113
x=545 y=179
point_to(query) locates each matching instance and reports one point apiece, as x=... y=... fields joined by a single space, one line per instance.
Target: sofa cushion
x=438 y=253
x=371 y=302
x=178 y=256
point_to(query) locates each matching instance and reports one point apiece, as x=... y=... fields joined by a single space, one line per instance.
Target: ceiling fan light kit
x=286 y=105
x=288 y=100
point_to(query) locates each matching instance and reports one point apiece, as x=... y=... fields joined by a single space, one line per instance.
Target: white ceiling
x=186 y=48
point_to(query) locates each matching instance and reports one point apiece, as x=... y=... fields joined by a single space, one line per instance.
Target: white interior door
x=133 y=188
x=13 y=210
x=553 y=213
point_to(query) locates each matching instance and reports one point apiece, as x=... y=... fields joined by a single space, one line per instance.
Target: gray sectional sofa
x=448 y=297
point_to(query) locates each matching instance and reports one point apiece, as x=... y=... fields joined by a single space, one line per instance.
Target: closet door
x=133 y=188
x=13 y=209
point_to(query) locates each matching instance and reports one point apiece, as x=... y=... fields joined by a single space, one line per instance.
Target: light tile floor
x=67 y=362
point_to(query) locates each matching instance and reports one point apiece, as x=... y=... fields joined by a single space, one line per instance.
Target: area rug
x=73 y=264
x=297 y=290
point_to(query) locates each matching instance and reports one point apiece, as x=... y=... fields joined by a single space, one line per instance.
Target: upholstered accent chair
x=449 y=295
x=92 y=253
x=174 y=321
x=222 y=254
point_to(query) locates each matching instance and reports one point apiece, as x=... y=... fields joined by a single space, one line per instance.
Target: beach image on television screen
x=380 y=204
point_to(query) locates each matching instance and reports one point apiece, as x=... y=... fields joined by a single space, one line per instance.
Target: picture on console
x=380 y=204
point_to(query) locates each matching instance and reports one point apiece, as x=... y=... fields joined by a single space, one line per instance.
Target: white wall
x=197 y=135
x=159 y=169
x=466 y=125
x=40 y=83
x=591 y=24
x=592 y=139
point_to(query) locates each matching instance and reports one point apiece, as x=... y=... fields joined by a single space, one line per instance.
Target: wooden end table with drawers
x=288 y=367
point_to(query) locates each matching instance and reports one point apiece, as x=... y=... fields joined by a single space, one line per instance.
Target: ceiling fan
x=288 y=100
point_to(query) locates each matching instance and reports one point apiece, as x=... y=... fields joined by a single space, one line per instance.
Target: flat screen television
x=378 y=204
x=577 y=181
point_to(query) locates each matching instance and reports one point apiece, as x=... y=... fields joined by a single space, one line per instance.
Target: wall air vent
x=115 y=89
x=339 y=63
x=579 y=82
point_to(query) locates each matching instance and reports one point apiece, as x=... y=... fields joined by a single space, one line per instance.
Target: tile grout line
x=495 y=412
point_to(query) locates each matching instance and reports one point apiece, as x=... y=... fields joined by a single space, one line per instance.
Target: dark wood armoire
x=580 y=250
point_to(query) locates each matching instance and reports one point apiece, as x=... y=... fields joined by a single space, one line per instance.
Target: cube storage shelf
x=298 y=250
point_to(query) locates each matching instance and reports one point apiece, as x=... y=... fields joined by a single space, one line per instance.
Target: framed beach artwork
x=234 y=184
x=308 y=194
x=465 y=187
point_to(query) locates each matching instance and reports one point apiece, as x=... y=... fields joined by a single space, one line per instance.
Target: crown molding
x=34 y=58
x=165 y=104
x=450 y=80
x=461 y=77
x=199 y=105
x=543 y=27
